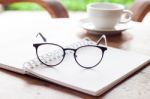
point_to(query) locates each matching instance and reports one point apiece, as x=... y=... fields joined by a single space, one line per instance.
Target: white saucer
x=85 y=24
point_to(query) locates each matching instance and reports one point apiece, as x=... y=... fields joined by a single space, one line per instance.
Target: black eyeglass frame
x=64 y=53
x=102 y=48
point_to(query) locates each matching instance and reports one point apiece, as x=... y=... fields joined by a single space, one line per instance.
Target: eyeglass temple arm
x=103 y=37
x=41 y=35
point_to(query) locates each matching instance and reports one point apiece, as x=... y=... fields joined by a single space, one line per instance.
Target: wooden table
x=16 y=86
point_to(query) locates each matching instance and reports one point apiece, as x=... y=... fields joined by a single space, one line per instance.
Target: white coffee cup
x=107 y=15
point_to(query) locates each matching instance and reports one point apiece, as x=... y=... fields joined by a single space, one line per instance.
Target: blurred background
x=80 y=5
x=71 y=5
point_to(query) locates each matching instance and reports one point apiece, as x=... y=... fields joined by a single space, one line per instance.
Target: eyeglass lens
x=88 y=56
x=50 y=54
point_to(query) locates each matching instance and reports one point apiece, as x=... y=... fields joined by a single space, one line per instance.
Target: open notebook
x=115 y=67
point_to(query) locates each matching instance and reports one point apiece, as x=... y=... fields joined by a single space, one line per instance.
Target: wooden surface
x=16 y=86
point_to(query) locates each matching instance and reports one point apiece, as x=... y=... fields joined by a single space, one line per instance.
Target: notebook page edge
x=13 y=68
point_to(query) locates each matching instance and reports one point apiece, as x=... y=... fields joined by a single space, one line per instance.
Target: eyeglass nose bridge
x=70 y=50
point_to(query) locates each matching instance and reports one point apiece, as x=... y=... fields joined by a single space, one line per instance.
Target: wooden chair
x=54 y=7
x=140 y=8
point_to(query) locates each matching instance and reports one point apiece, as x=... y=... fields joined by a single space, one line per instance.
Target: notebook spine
x=31 y=64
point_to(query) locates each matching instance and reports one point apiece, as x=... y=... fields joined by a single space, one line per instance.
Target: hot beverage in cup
x=107 y=15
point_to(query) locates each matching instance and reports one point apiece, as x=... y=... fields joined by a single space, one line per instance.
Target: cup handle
x=126 y=16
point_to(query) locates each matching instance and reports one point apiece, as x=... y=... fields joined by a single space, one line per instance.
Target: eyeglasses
x=87 y=56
